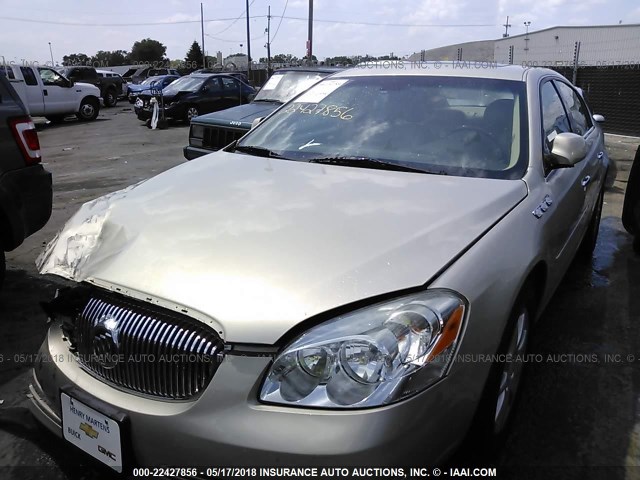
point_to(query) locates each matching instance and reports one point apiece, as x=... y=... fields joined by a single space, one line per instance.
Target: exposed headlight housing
x=370 y=357
x=196 y=135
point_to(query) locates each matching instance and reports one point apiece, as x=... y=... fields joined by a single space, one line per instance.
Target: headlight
x=197 y=131
x=373 y=356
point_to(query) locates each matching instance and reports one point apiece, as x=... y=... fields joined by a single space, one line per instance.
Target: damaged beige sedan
x=352 y=282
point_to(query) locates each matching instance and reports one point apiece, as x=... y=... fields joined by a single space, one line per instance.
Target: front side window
x=472 y=127
x=555 y=119
x=51 y=77
x=578 y=113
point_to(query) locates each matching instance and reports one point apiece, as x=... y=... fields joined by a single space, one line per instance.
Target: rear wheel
x=89 y=109
x=110 y=98
x=192 y=111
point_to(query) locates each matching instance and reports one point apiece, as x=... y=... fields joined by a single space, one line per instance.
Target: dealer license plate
x=92 y=432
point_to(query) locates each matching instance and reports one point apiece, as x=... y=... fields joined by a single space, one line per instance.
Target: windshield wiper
x=270 y=100
x=365 y=162
x=256 y=151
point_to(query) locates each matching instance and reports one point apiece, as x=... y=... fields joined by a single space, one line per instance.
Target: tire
x=89 y=110
x=110 y=98
x=588 y=244
x=56 y=118
x=192 y=111
x=500 y=394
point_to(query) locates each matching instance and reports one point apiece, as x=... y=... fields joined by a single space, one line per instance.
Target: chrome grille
x=218 y=137
x=145 y=349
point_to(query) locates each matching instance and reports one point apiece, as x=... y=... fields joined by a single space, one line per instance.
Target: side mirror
x=71 y=83
x=567 y=150
x=255 y=122
x=598 y=118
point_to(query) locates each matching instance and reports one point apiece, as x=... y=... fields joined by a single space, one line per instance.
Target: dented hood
x=255 y=245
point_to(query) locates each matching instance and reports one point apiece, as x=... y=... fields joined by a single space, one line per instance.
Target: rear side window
x=7 y=72
x=229 y=83
x=29 y=76
x=554 y=117
x=578 y=113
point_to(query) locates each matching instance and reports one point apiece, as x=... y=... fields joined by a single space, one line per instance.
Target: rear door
x=33 y=90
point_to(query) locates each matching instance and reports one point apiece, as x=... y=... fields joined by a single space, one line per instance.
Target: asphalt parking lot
x=580 y=403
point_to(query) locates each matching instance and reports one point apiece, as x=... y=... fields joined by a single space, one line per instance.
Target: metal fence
x=612 y=91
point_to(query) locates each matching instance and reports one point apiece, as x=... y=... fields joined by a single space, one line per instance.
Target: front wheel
x=501 y=390
x=89 y=110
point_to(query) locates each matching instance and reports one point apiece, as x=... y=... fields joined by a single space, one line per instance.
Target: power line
x=281 y=17
x=179 y=22
x=375 y=24
x=235 y=20
x=79 y=24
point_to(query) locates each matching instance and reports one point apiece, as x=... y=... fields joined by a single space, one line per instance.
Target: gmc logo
x=106 y=452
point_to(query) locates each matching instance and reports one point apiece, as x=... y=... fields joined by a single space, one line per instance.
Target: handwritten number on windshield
x=333 y=111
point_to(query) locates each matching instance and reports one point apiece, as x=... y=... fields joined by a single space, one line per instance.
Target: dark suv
x=25 y=186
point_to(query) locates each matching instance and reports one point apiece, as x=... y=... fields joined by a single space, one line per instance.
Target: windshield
x=149 y=80
x=184 y=84
x=450 y=125
x=282 y=87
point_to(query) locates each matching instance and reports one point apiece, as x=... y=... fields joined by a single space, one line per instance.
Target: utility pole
x=204 y=57
x=310 y=39
x=506 y=28
x=248 y=45
x=269 y=41
x=51 y=52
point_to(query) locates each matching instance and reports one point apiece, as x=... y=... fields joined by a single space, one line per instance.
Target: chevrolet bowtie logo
x=89 y=430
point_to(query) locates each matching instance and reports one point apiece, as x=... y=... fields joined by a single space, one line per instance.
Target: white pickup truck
x=46 y=93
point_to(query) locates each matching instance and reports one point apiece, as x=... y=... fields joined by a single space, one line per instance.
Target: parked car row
x=196 y=94
x=340 y=271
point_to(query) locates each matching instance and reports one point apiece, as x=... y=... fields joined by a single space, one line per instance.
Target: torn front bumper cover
x=87 y=240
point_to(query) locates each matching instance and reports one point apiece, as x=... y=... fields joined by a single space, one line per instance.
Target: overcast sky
x=341 y=27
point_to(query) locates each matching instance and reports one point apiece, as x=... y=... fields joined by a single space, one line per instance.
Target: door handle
x=600 y=155
x=585 y=181
x=45 y=92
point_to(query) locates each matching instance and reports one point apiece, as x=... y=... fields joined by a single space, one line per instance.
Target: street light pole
x=310 y=37
x=248 y=45
x=51 y=52
x=269 y=41
x=204 y=58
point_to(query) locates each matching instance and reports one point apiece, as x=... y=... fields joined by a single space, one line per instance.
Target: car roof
x=466 y=68
x=309 y=69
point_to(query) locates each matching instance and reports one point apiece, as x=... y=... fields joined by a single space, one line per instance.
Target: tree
x=110 y=59
x=148 y=50
x=193 y=60
x=76 y=59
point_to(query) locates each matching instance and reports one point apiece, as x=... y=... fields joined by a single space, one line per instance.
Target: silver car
x=352 y=282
